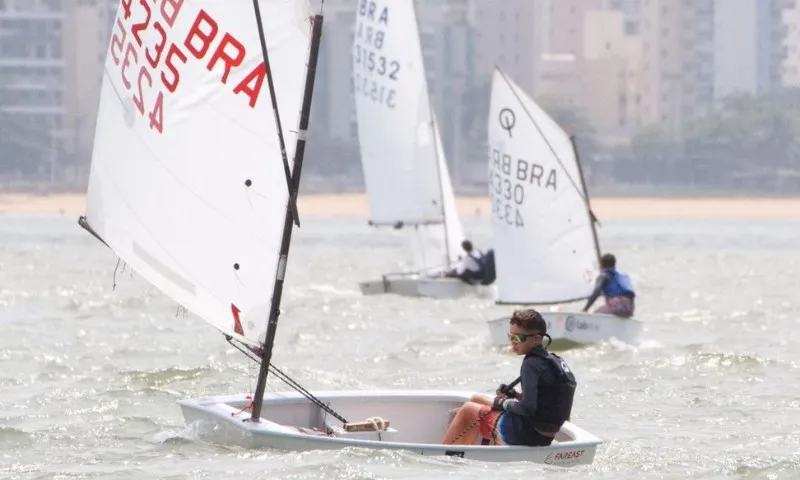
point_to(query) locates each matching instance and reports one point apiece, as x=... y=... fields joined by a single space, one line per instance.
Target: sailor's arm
x=598 y=288
x=526 y=405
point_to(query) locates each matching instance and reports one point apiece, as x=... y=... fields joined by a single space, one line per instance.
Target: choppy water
x=89 y=376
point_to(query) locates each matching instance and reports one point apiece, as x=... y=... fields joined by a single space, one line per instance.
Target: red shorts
x=489 y=424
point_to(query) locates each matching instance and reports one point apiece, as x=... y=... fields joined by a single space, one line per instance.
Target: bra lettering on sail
x=374 y=66
x=146 y=48
x=222 y=52
x=369 y=9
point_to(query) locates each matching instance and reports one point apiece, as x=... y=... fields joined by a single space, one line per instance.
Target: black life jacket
x=486 y=273
x=554 y=402
x=487 y=268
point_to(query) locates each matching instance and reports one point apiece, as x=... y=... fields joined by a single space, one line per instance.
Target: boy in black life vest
x=475 y=268
x=531 y=418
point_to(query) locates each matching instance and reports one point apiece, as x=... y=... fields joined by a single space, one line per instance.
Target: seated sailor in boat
x=531 y=418
x=475 y=266
x=616 y=287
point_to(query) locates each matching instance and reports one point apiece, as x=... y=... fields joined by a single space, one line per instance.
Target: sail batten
x=545 y=250
x=180 y=187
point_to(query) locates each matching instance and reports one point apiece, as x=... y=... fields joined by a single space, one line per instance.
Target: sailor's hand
x=508 y=392
x=497 y=404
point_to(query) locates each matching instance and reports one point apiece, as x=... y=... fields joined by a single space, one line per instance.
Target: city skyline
x=623 y=64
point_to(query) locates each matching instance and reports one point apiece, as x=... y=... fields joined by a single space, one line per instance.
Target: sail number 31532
x=375 y=73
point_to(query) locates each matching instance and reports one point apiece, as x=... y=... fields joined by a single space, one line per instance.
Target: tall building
x=611 y=75
x=677 y=61
x=334 y=108
x=508 y=34
x=748 y=45
x=51 y=60
x=790 y=70
x=446 y=38
x=632 y=11
x=31 y=66
x=696 y=51
x=86 y=37
x=447 y=49
x=566 y=20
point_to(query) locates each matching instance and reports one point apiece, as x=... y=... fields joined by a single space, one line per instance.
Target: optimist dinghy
x=405 y=170
x=546 y=246
x=195 y=192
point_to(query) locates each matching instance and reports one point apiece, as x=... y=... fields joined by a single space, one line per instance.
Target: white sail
x=187 y=184
x=439 y=246
x=545 y=251
x=398 y=154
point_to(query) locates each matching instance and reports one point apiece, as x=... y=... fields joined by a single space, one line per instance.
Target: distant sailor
x=475 y=267
x=532 y=418
x=616 y=287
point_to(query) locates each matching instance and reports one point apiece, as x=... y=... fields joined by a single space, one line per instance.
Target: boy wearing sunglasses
x=532 y=418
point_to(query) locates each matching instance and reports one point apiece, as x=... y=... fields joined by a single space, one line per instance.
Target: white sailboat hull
x=418 y=421
x=420 y=286
x=576 y=328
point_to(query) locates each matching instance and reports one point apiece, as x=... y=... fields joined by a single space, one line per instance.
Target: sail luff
x=435 y=139
x=441 y=194
x=286 y=239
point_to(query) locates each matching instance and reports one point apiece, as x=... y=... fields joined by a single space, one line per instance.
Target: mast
x=272 y=325
x=286 y=172
x=592 y=218
x=434 y=136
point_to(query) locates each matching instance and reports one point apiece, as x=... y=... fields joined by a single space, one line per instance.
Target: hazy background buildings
x=662 y=94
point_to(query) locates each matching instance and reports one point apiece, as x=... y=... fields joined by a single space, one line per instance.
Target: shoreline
x=473 y=206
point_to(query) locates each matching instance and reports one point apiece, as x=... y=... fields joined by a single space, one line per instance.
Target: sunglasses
x=520 y=337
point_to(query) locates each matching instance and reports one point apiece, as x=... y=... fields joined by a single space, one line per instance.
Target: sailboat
x=195 y=191
x=402 y=157
x=546 y=246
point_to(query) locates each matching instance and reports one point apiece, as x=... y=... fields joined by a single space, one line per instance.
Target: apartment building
x=86 y=35
x=748 y=45
x=509 y=34
x=677 y=61
x=448 y=52
x=51 y=57
x=31 y=66
x=334 y=107
x=567 y=20
x=697 y=51
x=790 y=68
x=632 y=12
x=611 y=77
x=601 y=78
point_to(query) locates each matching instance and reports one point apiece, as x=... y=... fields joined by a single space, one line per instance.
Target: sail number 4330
x=507 y=197
x=506 y=212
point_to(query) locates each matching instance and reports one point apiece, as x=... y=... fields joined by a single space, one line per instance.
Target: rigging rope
x=286 y=379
